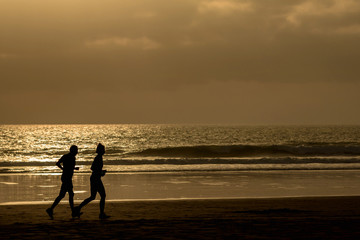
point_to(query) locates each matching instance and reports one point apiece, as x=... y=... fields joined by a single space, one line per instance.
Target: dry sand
x=277 y=218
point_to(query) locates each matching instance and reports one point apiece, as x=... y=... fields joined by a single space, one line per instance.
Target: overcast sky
x=180 y=61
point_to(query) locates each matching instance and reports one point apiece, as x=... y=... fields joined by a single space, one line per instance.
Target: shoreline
x=189 y=168
x=65 y=199
x=225 y=171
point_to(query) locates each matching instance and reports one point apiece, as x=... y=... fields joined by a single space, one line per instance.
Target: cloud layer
x=160 y=46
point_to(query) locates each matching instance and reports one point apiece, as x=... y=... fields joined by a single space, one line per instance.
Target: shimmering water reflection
x=150 y=148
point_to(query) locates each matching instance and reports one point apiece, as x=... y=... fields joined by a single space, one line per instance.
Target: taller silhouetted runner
x=67 y=164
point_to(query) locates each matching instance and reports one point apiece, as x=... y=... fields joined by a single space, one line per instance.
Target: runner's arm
x=59 y=164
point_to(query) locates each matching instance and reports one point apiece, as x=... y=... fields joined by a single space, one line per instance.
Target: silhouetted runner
x=67 y=164
x=96 y=184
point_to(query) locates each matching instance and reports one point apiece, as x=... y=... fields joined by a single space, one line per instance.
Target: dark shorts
x=96 y=185
x=66 y=185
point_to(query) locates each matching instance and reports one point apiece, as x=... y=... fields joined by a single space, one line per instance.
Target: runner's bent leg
x=61 y=196
x=93 y=186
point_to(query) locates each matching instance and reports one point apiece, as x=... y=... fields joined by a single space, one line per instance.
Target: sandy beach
x=262 y=218
x=195 y=205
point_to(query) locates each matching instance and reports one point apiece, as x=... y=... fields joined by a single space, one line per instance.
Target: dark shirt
x=97 y=166
x=68 y=162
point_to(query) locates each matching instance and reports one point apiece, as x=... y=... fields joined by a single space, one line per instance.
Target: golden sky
x=185 y=61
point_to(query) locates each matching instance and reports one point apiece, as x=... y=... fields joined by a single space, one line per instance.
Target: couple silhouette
x=67 y=164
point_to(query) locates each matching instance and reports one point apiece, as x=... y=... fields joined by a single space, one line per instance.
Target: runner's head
x=74 y=149
x=100 y=149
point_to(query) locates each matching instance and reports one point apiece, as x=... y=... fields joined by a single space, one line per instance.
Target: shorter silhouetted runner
x=67 y=164
x=96 y=184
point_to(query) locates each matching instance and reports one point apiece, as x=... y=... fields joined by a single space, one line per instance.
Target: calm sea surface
x=167 y=148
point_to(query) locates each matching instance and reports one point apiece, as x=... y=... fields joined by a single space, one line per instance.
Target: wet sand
x=262 y=218
x=180 y=185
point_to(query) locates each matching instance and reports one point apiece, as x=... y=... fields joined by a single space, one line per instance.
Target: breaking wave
x=198 y=161
x=215 y=151
x=210 y=158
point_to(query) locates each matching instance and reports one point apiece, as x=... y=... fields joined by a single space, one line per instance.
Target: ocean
x=182 y=161
x=169 y=148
